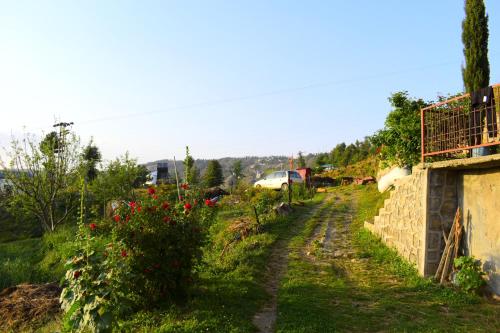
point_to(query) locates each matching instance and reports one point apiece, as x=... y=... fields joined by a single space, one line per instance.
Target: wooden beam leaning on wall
x=450 y=250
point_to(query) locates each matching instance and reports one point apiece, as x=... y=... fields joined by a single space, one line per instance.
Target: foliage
x=154 y=247
x=343 y=155
x=301 y=161
x=191 y=172
x=400 y=138
x=44 y=177
x=91 y=156
x=213 y=175
x=469 y=276
x=118 y=180
x=237 y=170
x=476 y=73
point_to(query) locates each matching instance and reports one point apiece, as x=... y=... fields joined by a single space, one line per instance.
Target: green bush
x=469 y=276
x=155 y=245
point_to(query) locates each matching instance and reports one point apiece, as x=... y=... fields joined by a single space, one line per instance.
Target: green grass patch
x=36 y=260
x=374 y=291
x=229 y=290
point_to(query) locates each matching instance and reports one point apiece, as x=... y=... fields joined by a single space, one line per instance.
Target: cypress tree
x=213 y=176
x=476 y=73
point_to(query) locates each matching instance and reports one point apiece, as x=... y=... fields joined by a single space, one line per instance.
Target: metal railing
x=452 y=128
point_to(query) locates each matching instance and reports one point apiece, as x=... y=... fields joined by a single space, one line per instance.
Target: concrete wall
x=479 y=197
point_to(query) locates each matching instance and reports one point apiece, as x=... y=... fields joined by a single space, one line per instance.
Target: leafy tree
x=45 y=176
x=301 y=160
x=237 y=169
x=476 y=73
x=400 y=138
x=321 y=159
x=118 y=180
x=213 y=175
x=91 y=156
x=191 y=174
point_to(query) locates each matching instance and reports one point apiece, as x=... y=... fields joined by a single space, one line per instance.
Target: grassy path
x=340 y=278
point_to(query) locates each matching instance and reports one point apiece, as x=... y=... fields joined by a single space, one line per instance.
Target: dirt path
x=265 y=319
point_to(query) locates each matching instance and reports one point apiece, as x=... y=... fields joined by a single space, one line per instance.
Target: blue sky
x=227 y=78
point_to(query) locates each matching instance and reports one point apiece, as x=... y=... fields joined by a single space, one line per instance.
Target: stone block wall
x=442 y=205
x=401 y=222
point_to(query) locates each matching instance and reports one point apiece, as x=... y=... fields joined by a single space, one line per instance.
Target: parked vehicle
x=279 y=180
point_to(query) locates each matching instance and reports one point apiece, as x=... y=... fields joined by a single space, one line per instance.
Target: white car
x=279 y=180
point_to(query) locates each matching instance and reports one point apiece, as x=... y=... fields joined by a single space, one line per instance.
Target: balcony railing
x=452 y=128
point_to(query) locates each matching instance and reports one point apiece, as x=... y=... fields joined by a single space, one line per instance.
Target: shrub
x=153 y=246
x=469 y=276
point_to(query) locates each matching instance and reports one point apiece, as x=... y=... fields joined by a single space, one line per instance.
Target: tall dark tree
x=237 y=169
x=213 y=175
x=301 y=160
x=476 y=73
x=190 y=171
x=91 y=156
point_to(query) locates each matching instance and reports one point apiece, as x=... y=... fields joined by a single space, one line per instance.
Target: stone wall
x=421 y=209
x=442 y=206
x=401 y=222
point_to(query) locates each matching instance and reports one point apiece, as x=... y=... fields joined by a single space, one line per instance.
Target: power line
x=266 y=94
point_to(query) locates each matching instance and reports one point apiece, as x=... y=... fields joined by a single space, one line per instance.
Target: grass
x=230 y=290
x=35 y=260
x=374 y=291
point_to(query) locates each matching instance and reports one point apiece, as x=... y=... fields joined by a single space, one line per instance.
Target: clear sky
x=227 y=78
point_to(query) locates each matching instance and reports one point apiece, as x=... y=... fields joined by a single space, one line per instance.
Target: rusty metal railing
x=452 y=128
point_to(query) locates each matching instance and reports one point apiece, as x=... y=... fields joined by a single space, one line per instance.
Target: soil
x=28 y=304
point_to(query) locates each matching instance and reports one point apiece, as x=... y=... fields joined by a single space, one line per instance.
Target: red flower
x=117 y=218
x=151 y=191
x=155 y=197
x=209 y=203
x=165 y=205
x=187 y=206
x=185 y=186
x=166 y=219
x=147 y=270
x=139 y=208
x=127 y=218
x=181 y=198
x=77 y=274
x=132 y=204
x=124 y=253
x=92 y=226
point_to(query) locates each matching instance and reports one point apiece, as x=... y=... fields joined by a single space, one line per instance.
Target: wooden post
x=177 y=181
x=289 y=190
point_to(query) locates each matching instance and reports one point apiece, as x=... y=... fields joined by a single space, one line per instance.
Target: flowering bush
x=153 y=246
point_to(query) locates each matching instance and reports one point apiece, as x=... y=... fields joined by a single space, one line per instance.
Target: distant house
x=159 y=174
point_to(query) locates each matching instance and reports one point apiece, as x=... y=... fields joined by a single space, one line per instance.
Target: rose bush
x=144 y=254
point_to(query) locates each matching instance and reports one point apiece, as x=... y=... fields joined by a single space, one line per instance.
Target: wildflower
x=127 y=218
x=185 y=186
x=187 y=207
x=151 y=191
x=181 y=198
x=139 y=208
x=124 y=253
x=92 y=226
x=209 y=203
x=117 y=218
x=155 y=197
x=165 y=205
x=147 y=270
x=77 y=274
x=166 y=219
